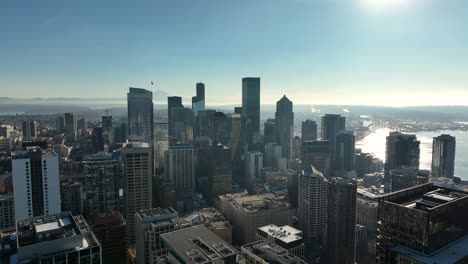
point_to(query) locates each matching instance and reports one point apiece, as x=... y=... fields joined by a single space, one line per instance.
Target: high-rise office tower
x=250 y=108
x=423 y=224
x=284 y=117
x=220 y=177
x=312 y=209
x=296 y=148
x=203 y=120
x=308 y=130
x=106 y=123
x=198 y=101
x=443 y=156
x=341 y=227
x=35 y=182
x=29 y=129
x=270 y=131
x=317 y=154
x=253 y=166
x=344 y=152
x=110 y=228
x=273 y=154
x=98 y=139
x=151 y=223
x=218 y=128
x=172 y=102
x=138 y=188
x=103 y=183
x=402 y=150
x=121 y=133
x=408 y=177
x=331 y=125
x=82 y=124
x=70 y=126
x=71 y=194
x=59 y=124
x=7 y=212
x=140 y=114
x=182 y=124
x=181 y=167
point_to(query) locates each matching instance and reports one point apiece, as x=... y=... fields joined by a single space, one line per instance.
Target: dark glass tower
x=250 y=108
x=309 y=130
x=344 y=152
x=140 y=114
x=443 y=156
x=284 y=117
x=198 y=101
x=402 y=150
x=172 y=102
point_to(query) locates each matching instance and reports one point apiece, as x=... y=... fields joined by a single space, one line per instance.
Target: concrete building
x=443 y=156
x=308 y=130
x=213 y=220
x=71 y=194
x=341 y=227
x=250 y=109
x=317 y=154
x=312 y=209
x=264 y=252
x=402 y=150
x=110 y=229
x=7 y=212
x=249 y=212
x=103 y=184
x=253 y=166
x=287 y=237
x=196 y=245
x=140 y=114
x=181 y=167
x=273 y=154
x=138 y=188
x=284 y=117
x=57 y=238
x=150 y=225
x=29 y=129
x=408 y=177
x=36 y=185
x=422 y=220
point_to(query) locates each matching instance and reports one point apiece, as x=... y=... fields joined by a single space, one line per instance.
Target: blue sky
x=374 y=52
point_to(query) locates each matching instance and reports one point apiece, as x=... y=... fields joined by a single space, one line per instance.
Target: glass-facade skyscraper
x=250 y=108
x=140 y=114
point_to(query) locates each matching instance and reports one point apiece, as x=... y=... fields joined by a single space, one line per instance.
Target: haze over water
x=375 y=143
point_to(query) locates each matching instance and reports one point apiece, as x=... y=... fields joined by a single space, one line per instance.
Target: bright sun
x=384 y=4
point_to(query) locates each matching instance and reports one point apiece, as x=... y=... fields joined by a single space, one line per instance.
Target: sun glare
x=379 y=5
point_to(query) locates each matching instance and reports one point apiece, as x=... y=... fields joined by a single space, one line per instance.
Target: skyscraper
x=253 y=166
x=218 y=128
x=443 y=156
x=71 y=194
x=29 y=129
x=402 y=150
x=198 y=101
x=36 y=185
x=317 y=154
x=182 y=124
x=270 y=131
x=309 y=130
x=284 y=117
x=344 y=152
x=172 y=102
x=59 y=124
x=181 y=167
x=312 y=209
x=103 y=183
x=423 y=224
x=250 y=108
x=331 y=125
x=408 y=177
x=70 y=126
x=140 y=114
x=341 y=227
x=107 y=130
x=138 y=172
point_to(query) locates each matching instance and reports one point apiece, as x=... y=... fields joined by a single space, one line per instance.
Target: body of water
x=375 y=143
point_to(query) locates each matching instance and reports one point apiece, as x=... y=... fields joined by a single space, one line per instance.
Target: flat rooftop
x=434 y=199
x=197 y=245
x=253 y=203
x=156 y=213
x=286 y=233
x=452 y=253
x=270 y=253
x=46 y=228
x=24 y=154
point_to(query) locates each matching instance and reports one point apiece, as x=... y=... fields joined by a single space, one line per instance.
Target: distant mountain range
x=59 y=105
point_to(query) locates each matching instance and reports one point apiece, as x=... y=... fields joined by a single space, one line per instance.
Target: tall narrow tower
x=140 y=114
x=285 y=124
